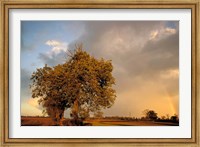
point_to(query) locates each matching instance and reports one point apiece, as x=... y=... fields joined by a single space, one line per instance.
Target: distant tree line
x=149 y=115
x=152 y=115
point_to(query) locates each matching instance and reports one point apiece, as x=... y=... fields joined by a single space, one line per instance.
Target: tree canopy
x=83 y=84
x=150 y=114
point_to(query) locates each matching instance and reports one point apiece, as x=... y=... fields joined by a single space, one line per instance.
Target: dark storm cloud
x=154 y=57
x=127 y=44
x=96 y=31
x=141 y=52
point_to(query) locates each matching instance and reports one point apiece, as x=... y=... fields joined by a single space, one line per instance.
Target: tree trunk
x=61 y=118
x=75 y=111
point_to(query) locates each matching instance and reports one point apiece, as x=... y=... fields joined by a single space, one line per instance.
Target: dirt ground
x=46 y=121
x=36 y=121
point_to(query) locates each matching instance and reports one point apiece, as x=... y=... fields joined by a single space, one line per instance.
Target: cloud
x=27 y=47
x=29 y=105
x=53 y=43
x=172 y=73
x=170 y=30
x=57 y=53
x=164 y=32
x=118 y=35
x=25 y=82
x=28 y=110
x=34 y=102
x=153 y=35
x=142 y=53
x=127 y=44
x=57 y=47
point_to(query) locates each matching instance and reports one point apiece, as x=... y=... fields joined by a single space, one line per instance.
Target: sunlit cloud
x=153 y=35
x=170 y=30
x=56 y=47
x=53 y=43
x=56 y=53
x=29 y=110
x=33 y=102
x=161 y=33
x=170 y=74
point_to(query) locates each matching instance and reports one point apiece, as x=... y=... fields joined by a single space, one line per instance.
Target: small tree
x=150 y=114
x=167 y=116
x=174 y=118
x=163 y=117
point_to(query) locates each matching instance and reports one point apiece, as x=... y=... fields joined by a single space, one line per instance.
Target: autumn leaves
x=82 y=84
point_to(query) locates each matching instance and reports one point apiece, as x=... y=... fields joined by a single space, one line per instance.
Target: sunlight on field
x=46 y=121
x=103 y=122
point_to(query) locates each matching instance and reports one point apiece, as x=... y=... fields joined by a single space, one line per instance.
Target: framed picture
x=104 y=72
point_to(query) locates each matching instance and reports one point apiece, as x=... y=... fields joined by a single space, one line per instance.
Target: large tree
x=48 y=85
x=83 y=83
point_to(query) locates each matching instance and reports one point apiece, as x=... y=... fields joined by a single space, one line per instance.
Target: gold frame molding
x=127 y=4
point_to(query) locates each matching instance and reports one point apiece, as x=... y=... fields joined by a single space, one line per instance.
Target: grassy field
x=108 y=122
x=46 y=121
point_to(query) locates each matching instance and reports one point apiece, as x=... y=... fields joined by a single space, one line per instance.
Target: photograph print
x=99 y=73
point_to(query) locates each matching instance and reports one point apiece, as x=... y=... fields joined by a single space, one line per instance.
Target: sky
x=144 y=54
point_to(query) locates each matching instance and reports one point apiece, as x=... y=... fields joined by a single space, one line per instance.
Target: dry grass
x=109 y=122
x=46 y=121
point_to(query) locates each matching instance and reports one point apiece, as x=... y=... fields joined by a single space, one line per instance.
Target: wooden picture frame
x=6 y=5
